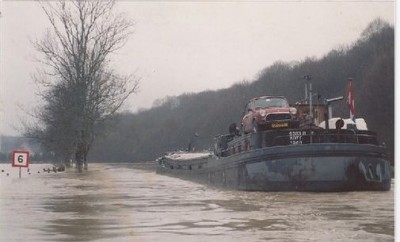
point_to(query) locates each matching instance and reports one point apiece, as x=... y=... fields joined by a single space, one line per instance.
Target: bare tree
x=80 y=88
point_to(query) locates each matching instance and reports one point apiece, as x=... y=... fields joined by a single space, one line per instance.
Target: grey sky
x=182 y=47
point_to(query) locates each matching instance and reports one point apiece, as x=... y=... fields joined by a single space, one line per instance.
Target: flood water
x=117 y=202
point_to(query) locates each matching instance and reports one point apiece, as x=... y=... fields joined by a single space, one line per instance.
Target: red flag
x=350 y=100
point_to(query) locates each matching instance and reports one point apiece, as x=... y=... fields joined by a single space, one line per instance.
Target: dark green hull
x=313 y=167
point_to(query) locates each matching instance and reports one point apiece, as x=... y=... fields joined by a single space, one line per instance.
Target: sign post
x=20 y=159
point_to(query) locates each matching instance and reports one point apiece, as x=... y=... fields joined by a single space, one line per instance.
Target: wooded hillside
x=172 y=122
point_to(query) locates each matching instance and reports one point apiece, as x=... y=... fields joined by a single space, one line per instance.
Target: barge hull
x=312 y=167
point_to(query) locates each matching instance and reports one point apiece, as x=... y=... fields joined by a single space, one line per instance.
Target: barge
x=276 y=152
x=288 y=160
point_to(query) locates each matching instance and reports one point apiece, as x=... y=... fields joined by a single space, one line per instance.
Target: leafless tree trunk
x=80 y=88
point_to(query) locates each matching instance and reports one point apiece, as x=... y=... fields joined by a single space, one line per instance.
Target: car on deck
x=268 y=112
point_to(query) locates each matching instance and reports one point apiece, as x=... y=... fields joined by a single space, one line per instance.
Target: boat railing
x=296 y=137
x=324 y=138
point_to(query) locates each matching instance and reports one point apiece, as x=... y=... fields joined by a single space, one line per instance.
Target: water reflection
x=119 y=203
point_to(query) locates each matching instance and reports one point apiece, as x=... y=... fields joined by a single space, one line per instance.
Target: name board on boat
x=296 y=137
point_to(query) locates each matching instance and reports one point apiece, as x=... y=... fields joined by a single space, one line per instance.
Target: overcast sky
x=180 y=47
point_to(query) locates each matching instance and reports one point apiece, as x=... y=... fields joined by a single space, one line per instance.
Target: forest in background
x=174 y=122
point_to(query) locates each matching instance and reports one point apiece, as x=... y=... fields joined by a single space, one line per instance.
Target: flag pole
x=350 y=99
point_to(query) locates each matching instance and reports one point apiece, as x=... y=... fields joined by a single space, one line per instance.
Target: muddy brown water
x=118 y=202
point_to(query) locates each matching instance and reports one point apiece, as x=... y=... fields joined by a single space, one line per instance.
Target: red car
x=268 y=112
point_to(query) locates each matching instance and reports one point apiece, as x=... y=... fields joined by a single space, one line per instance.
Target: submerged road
x=116 y=202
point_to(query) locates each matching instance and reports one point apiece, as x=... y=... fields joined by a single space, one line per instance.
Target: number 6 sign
x=20 y=158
